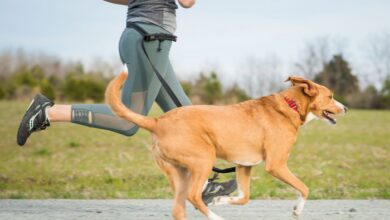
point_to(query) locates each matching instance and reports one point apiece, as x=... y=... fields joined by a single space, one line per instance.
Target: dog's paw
x=296 y=213
x=221 y=200
x=213 y=216
x=299 y=207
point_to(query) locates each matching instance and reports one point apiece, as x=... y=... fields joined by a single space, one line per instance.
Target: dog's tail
x=113 y=100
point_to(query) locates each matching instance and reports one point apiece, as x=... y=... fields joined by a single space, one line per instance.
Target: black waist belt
x=161 y=37
x=151 y=37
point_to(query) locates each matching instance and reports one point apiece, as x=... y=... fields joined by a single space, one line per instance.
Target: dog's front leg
x=282 y=172
x=243 y=174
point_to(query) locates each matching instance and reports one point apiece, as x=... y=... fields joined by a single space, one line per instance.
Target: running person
x=141 y=88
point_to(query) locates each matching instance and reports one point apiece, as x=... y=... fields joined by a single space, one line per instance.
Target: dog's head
x=322 y=104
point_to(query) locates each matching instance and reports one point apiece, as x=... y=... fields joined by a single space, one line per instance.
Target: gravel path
x=161 y=209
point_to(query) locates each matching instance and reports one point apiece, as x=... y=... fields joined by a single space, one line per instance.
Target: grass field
x=347 y=161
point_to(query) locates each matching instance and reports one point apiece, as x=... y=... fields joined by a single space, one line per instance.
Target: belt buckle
x=151 y=37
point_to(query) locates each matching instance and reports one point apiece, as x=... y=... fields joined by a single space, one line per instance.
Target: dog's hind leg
x=179 y=179
x=199 y=174
x=243 y=181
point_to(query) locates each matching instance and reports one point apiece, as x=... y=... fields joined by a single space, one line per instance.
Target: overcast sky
x=218 y=34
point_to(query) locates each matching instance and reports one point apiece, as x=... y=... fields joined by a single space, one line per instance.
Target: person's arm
x=119 y=2
x=186 y=3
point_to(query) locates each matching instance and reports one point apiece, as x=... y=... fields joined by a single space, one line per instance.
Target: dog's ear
x=309 y=88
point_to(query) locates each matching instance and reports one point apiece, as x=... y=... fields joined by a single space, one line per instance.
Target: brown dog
x=188 y=140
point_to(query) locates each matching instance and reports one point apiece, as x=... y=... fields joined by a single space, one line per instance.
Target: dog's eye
x=331 y=96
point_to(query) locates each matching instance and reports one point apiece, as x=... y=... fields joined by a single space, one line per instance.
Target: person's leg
x=59 y=113
x=64 y=113
x=140 y=89
x=41 y=110
x=100 y=116
x=140 y=101
x=139 y=92
x=164 y=100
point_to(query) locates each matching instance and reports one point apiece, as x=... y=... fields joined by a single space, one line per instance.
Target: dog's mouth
x=329 y=116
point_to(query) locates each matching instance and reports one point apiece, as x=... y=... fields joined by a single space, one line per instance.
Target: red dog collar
x=291 y=103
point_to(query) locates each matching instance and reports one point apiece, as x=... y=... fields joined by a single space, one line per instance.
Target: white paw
x=296 y=212
x=213 y=216
x=299 y=207
x=221 y=200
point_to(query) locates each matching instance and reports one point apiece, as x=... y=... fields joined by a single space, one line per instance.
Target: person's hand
x=186 y=3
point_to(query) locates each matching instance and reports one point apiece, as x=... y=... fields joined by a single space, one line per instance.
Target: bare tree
x=378 y=52
x=12 y=59
x=316 y=53
x=248 y=75
x=261 y=76
x=107 y=67
x=5 y=63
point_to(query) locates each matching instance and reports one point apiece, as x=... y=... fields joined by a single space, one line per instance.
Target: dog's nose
x=345 y=109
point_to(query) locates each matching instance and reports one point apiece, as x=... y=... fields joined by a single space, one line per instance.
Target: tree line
x=337 y=75
x=76 y=85
x=22 y=75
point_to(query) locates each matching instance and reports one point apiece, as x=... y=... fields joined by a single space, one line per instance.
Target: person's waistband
x=150 y=37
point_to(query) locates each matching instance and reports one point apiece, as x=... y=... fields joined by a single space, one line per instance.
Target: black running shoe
x=214 y=189
x=34 y=119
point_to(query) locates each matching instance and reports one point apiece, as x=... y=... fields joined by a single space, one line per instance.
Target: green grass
x=347 y=161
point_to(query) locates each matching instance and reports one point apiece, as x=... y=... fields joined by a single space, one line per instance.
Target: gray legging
x=142 y=86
